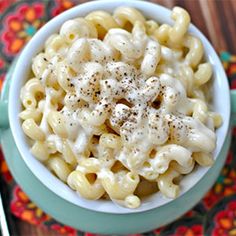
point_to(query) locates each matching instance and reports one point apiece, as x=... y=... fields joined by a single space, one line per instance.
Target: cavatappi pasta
x=117 y=106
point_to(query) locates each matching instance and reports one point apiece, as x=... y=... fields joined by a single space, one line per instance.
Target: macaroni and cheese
x=117 y=106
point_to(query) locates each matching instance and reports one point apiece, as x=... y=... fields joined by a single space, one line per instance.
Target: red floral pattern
x=2 y=77
x=22 y=207
x=158 y=231
x=4 y=169
x=63 y=229
x=194 y=230
x=21 y=26
x=4 y=4
x=62 y=5
x=19 y=23
x=2 y=63
x=225 y=221
x=225 y=186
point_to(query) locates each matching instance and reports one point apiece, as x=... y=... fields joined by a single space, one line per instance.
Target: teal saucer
x=97 y=222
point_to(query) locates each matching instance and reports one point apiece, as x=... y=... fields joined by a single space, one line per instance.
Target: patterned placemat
x=214 y=215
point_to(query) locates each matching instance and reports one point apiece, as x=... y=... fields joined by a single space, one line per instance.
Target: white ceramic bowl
x=221 y=104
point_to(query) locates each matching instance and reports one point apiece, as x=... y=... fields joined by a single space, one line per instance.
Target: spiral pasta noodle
x=117 y=105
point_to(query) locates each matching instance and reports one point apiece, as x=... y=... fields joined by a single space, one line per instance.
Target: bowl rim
x=54 y=184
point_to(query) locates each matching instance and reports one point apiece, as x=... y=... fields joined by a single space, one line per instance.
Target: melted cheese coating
x=132 y=87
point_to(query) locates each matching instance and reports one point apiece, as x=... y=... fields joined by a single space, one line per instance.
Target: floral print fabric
x=215 y=215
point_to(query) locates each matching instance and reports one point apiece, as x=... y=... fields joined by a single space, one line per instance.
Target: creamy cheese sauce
x=146 y=109
x=120 y=107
